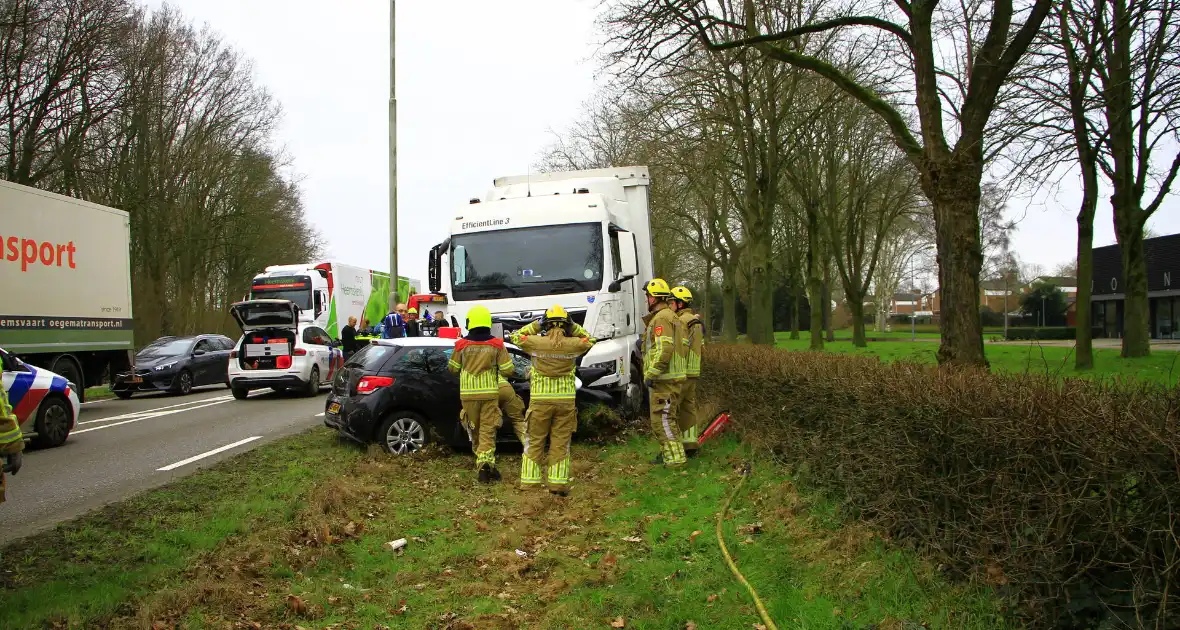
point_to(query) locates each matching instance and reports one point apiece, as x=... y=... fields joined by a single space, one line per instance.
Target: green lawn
x=1160 y=367
x=99 y=392
x=293 y=534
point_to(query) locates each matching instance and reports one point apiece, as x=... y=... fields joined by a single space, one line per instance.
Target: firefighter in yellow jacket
x=480 y=360
x=11 y=441
x=664 y=358
x=553 y=413
x=688 y=412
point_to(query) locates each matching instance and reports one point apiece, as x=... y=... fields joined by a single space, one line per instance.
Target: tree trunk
x=706 y=311
x=954 y=190
x=815 y=288
x=829 y=312
x=797 y=310
x=729 y=331
x=760 y=322
x=856 y=308
x=1084 y=357
x=1136 y=313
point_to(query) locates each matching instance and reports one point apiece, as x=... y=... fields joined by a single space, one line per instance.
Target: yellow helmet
x=682 y=294
x=413 y=310
x=656 y=287
x=555 y=312
x=479 y=317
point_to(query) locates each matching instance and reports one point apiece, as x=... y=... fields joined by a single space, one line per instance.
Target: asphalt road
x=121 y=447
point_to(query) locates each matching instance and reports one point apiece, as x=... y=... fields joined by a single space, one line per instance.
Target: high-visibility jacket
x=480 y=362
x=554 y=362
x=664 y=351
x=694 y=332
x=11 y=440
x=534 y=328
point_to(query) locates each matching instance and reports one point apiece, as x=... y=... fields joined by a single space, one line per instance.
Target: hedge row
x=1065 y=496
x=1052 y=332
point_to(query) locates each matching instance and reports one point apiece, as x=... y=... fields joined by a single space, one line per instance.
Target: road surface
x=122 y=447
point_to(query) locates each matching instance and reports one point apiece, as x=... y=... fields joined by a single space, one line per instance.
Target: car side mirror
x=197 y=353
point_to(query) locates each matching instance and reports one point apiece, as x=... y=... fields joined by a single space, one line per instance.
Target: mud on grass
x=631 y=542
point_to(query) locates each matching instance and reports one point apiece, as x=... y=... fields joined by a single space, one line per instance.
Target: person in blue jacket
x=394 y=324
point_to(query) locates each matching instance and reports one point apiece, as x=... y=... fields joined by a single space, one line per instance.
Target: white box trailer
x=65 y=274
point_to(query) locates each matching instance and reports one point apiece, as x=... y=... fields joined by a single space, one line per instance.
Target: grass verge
x=294 y=533
x=99 y=392
x=1161 y=367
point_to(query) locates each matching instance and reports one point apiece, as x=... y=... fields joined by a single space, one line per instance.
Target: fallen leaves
x=751 y=528
x=712 y=598
x=296 y=605
x=693 y=536
x=759 y=626
x=633 y=539
x=619 y=622
x=692 y=625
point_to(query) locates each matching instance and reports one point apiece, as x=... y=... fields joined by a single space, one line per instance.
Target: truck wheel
x=54 y=419
x=240 y=393
x=313 y=383
x=67 y=367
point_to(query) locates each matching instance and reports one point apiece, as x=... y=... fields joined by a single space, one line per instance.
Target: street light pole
x=393 y=299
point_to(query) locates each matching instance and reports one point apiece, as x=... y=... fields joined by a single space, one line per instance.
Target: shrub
x=1064 y=495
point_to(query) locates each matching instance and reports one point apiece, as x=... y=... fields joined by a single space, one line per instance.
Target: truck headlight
x=609 y=366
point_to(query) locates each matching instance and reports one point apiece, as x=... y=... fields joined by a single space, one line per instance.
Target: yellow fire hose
x=729 y=559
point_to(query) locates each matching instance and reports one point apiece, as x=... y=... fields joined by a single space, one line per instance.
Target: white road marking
x=154 y=410
x=208 y=453
x=145 y=416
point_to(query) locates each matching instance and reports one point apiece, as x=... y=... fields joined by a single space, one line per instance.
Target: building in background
x=1163 y=288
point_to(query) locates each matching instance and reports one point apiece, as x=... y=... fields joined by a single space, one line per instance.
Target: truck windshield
x=295 y=288
x=526 y=262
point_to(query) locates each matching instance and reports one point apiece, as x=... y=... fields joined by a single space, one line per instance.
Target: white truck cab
x=581 y=239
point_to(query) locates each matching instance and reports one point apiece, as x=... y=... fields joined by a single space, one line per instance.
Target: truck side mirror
x=628 y=261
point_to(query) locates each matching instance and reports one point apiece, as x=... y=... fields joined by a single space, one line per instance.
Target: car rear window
x=371 y=357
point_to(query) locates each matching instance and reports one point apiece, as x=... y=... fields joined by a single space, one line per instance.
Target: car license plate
x=334 y=408
x=135 y=379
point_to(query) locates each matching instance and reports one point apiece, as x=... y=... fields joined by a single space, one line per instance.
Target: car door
x=202 y=362
x=316 y=341
x=443 y=382
x=220 y=369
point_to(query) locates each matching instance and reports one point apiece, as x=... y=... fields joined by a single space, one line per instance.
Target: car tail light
x=300 y=352
x=283 y=362
x=370 y=384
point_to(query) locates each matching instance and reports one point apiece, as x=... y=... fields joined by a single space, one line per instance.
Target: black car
x=176 y=364
x=399 y=394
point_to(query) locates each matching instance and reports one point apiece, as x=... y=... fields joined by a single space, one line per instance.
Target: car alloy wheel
x=405 y=435
x=53 y=423
x=185 y=386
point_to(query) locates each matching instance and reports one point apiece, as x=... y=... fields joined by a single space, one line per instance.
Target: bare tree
x=951 y=58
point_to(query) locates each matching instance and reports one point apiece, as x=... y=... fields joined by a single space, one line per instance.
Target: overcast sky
x=480 y=85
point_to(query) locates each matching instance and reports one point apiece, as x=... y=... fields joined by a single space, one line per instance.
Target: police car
x=46 y=404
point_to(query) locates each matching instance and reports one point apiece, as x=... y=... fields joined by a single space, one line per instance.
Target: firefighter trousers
x=687 y=414
x=481 y=418
x=664 y=397
x=513 y=407
x=556 y=422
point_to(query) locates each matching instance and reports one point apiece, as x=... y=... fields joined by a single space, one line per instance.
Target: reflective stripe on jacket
x=554 y=362
x=694 y=332
x=663 y=348
x=480 y=365
x=11 y=440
